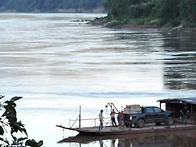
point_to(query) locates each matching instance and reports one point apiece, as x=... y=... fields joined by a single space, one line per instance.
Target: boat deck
x=149 y=128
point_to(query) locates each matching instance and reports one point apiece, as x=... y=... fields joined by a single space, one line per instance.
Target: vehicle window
x=150 y=109
x=157 y=110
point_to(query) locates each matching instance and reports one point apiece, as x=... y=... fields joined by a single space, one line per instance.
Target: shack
x=176 y=104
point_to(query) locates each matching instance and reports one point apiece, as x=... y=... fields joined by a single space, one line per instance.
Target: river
x=57 y=63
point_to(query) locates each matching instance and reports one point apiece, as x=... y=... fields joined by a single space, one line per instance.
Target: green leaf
x=40 y=143
x=31 y=143
x=1 y=130
x=22 y=138
x=24 y=130
x=1 y=139
x=1 y=96
x=15 y=98
x=15 y=139
x=9 y=118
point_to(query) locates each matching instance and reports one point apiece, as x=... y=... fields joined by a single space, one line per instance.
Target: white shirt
x=101 y=116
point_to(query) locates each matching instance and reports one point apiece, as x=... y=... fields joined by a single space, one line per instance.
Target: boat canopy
x=176 y=104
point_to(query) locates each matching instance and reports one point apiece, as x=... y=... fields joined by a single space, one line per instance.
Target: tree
x=8 y=120
x=49 y=5
x=188 y=7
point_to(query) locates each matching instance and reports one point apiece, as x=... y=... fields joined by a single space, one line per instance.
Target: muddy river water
x=57 y=63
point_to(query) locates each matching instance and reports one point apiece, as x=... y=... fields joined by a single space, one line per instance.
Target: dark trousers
x=113 y=122
x=101 y=125
x=184 y=119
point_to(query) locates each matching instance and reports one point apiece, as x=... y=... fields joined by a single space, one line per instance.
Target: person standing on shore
x=101 y=120
x=184 y=112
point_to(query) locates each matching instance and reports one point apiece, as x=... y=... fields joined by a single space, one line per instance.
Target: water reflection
x=179 y=66
x=174 y=139
x=57 y=64
x=176 y=52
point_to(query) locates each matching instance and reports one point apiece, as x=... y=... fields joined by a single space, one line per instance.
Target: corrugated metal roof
x=179 y=100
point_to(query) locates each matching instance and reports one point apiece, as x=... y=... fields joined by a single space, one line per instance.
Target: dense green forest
x=48 y=5
x=152 y=12
x=157 y=12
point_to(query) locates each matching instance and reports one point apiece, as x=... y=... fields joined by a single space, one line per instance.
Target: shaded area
x=180 y=61
x=176 y=104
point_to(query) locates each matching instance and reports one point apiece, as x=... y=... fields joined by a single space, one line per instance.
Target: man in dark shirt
x=184 y=112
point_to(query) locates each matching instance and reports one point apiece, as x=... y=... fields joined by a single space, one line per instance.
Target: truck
x=140 y=115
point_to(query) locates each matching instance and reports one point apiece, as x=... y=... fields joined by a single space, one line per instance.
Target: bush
x=9 y=121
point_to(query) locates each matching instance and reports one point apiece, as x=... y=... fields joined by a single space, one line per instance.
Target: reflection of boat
x=161 y=139
x=122 y=131
x=85 y=139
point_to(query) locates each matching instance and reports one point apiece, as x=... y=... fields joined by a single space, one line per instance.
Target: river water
x=57 y=63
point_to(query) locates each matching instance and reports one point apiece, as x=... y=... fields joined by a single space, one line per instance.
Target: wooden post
x=80 y=116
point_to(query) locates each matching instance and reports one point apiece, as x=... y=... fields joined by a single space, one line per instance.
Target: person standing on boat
x=118 y=118
x=101 y=120
x=112 y=114
x=121 y=115
x=184 y=112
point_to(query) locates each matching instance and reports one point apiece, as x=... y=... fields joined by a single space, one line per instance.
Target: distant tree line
x=170 y=12
x=165 y=12
x=48 y=5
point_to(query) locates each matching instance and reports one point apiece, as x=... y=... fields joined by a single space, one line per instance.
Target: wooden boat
x=150 y=128
x=109 y=130
x=160 y=137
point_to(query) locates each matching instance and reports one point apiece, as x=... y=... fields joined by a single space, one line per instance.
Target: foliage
x=9 y=121
x=169 y=12
x=173 y=12
x=48 y=5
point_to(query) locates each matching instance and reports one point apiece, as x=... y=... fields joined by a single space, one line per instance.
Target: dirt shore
x=178 y=29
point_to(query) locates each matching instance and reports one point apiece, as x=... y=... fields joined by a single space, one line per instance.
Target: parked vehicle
x=148 y=114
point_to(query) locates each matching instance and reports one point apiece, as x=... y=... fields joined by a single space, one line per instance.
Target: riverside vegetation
x=150 y=13
x=50 y=5
x=9 y=122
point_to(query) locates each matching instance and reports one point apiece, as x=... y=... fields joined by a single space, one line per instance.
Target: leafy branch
x=9 y=120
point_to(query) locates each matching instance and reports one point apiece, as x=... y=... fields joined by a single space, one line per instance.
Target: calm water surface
x=56 y=64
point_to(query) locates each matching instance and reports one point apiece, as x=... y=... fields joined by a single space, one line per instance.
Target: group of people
x=120 y=119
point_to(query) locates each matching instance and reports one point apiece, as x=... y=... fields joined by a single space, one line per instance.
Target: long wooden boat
x=109 y=130
x=149 y=128
x=140 y=138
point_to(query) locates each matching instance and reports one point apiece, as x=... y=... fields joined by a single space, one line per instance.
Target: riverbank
x=134 y=25
x=153 y=27
x=178 y=29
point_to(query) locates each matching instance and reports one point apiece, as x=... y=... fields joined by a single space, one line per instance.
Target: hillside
x=50 y=5
x=159 y=13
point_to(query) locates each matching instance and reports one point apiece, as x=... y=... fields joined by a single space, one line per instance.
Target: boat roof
x=179 y=100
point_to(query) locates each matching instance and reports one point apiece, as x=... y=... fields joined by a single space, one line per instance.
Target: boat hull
x=125 y=130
